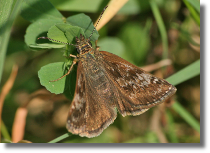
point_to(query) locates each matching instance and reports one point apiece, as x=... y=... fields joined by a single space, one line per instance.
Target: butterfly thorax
x=83 y=45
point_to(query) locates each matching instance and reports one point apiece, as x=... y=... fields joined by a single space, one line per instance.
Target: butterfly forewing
x=137 y=89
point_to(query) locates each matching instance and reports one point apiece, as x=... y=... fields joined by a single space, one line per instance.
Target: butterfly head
x=83 y=45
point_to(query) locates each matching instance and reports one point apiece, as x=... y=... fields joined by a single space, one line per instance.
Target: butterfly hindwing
x=76 y=119
x=137 y=89
x=89 y=113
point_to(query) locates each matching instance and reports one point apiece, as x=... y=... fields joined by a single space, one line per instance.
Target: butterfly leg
x=74 y=56
x=74 y=62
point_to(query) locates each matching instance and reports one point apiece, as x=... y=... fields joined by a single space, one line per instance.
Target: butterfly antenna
x=56 y=41
x=98 y=21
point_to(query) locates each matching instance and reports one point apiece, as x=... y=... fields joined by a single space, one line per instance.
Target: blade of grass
x=9 y=10
x=195 y=4
x=4 y=132
x=161 y=27
x=193 y=12
x=171 y=130
x=186 y=116
x=187 y=73
x=5 y=7
x=60 y=138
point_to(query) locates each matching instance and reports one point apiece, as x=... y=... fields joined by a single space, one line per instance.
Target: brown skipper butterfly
x=107 y=83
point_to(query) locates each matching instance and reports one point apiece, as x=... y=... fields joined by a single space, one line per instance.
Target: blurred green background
x=142 y=32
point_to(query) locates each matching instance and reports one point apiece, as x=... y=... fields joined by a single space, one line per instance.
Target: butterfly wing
x=137 y=89
x=89 y=113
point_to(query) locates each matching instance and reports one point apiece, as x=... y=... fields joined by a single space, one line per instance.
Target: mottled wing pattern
x=137 y=89
x=89 y=115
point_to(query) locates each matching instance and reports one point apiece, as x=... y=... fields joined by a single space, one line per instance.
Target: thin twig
x=157 y=65
x=19 y=123
x=155 y=125
x=113 y=7
x=6 y=88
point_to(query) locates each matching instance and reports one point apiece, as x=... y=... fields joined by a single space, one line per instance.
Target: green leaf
x=83 y=21
x=38 y=29
x=73 y=28
x=73 y=32
x=51 y=72
x=65 y=32
x=33 y=10
x=54 y=71
x=56 y=33
x=59 y=31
